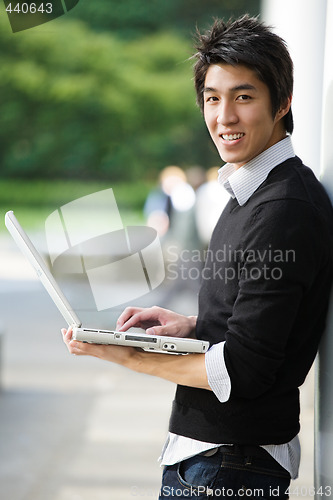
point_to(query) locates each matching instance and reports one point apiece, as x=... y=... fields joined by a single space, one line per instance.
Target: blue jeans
x=226 y=474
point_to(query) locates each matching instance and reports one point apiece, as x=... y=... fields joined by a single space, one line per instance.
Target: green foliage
x=133 y=18
x=34 y=200
x=76 y=103
x=81 y=103
x=55 y=193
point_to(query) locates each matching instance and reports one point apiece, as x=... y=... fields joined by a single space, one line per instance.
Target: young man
x=265 y=290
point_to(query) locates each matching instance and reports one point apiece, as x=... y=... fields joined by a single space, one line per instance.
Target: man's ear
x=284 y=108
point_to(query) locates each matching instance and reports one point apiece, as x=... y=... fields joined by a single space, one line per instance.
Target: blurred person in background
x=158 y=208
x=264 y=296
x=183 y=246
x=211 y=199
x=170 y=210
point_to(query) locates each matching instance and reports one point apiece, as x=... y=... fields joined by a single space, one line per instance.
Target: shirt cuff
x=218 y=377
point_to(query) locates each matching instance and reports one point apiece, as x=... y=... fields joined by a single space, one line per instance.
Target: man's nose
x=226 y=114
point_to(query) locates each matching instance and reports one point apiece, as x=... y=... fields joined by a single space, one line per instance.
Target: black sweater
x=265 y=291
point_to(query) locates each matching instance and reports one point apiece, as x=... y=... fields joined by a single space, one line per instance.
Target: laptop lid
x=28 y=249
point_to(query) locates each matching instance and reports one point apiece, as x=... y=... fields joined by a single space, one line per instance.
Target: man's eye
x=243 y=97
x=211 y=99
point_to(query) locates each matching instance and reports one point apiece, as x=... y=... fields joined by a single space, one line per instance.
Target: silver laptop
x=92 y=335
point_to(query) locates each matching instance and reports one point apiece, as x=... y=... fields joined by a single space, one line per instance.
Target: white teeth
x=232 y=137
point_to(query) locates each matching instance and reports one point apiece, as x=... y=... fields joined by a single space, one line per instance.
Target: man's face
x=238 y=113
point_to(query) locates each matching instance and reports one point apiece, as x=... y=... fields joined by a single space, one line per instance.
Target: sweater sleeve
x=282 y=255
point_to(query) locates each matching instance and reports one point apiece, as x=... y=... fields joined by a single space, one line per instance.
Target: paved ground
x=79 y=429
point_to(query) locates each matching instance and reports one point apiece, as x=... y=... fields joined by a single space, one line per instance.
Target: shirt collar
x=243 y=182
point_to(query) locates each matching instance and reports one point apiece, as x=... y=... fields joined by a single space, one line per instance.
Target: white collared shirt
x=243 y=182
x=240 y=184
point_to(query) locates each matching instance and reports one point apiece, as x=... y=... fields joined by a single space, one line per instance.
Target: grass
x=33 y=200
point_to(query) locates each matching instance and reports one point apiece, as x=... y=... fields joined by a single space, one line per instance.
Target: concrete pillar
x=324 y=368
x=307 y=27
x=1 y=352
x=301 y=24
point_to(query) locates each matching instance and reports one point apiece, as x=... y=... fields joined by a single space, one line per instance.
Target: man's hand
x=157 y=321
x=121 y=355
x=189 y=370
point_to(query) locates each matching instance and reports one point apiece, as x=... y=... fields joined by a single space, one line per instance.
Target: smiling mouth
x=232 y=137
